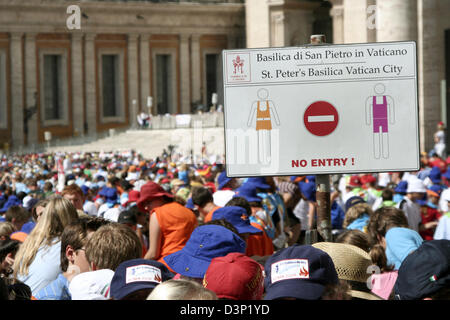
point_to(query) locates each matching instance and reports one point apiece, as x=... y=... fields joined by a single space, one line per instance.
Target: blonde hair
x=6 y=228
x=181 y=290
x=58 y=213
x=355 y=212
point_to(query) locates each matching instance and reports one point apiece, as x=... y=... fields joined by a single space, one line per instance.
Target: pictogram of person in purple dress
x=380 y=113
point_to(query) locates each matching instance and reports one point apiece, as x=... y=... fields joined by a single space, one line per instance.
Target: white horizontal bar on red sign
x=329 y=118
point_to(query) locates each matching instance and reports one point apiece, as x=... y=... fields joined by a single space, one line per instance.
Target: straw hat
x=351 y=264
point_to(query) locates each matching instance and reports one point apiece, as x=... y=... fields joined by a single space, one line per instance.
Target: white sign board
x=321 y=109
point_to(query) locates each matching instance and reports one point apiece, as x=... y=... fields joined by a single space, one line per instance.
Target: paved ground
x=152 y=142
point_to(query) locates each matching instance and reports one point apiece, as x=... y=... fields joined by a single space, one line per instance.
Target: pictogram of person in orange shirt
x=265 y=110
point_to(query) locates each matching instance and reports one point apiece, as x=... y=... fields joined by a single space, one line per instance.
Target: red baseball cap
x=236 y=277
x=355 y=181
x=151 y=190
x=133 y=196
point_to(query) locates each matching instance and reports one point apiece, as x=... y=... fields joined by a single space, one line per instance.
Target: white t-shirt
x=221 y=197
x=443 y=203
x=301 y=212
x=443 y=228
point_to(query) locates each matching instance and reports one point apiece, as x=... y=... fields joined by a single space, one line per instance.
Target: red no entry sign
x=321 y=118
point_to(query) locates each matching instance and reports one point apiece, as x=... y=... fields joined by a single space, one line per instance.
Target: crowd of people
x=116 y=226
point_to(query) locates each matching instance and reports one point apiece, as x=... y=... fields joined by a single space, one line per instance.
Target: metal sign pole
x=323 y=184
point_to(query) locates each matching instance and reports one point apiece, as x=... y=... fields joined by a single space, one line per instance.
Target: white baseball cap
x=92 y=285
x=416 y=185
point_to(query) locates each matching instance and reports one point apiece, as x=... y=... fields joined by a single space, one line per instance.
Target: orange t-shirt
x=259 y=244
x=176 y=223
x=208 y=217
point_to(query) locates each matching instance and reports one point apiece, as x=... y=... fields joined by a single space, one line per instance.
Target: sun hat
x=91 y=285
x=206 y=242
x=222 y=180
x=136 y=274
x=133 y=196
x=11 y=201
x=236 y=277
x=424 y=272
x=238 y=217
x=298 y=271
x=353 y=201
x=416 y=185
x=435 y=190
x=247 y=191
x=151 y=190
x=190 y=204
x=352 y=264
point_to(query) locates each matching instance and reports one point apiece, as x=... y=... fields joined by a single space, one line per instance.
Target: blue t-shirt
x=44 y=268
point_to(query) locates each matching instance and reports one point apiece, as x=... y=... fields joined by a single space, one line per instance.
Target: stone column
x=184 y=74
x=77 y=83
x=145 y=69
x=91 y=98
x=355 y=21
x=397 y=20
x=430 y=50
x=30 y=86
x=133 y=92
x=337 y=13
x=17 y=90
x=195 y=68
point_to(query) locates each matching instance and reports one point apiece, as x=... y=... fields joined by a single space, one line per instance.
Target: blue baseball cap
x=206 y=242
x=85 y=189
x=248 y=192
x=190 y=204
x=308 y=189
x=299 y=271
x=136 y=274
x=352 y=201
x=424 y=271
x=238 y=217
x=258 y=182
x=401 y=187
x=435 y=175
x=223 y=180
x=12 y=201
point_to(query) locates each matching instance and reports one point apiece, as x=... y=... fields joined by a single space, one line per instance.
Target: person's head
x=38 y=209
x=201 y=197
x=8 y=250
x=205 y=243
x=239 y=218
x=249 y=193
x=300 y=272
x=355 y=237
x=352 y=264
x=387 y=195
x=425 y=273
x=128 y=218
x=181 y=289
x=74 y=194
x=18 y=216
x=6 y=228
x=58 y=213
x=152 y=196
x=356 y=211
x=135 y=279
x=91 y=285
x=112 y=244
x=73 y=244
x=235 y=277
x=384 y=219
x=225 y=182
x=240 y=202
x=416 y=189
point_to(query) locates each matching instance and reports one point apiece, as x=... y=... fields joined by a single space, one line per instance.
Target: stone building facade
x=75 y=82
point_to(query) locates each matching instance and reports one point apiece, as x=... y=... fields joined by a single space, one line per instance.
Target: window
x=213 y=77
x=110 y=85
x=3 y=121
x=164 y=76
x=53 y=89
